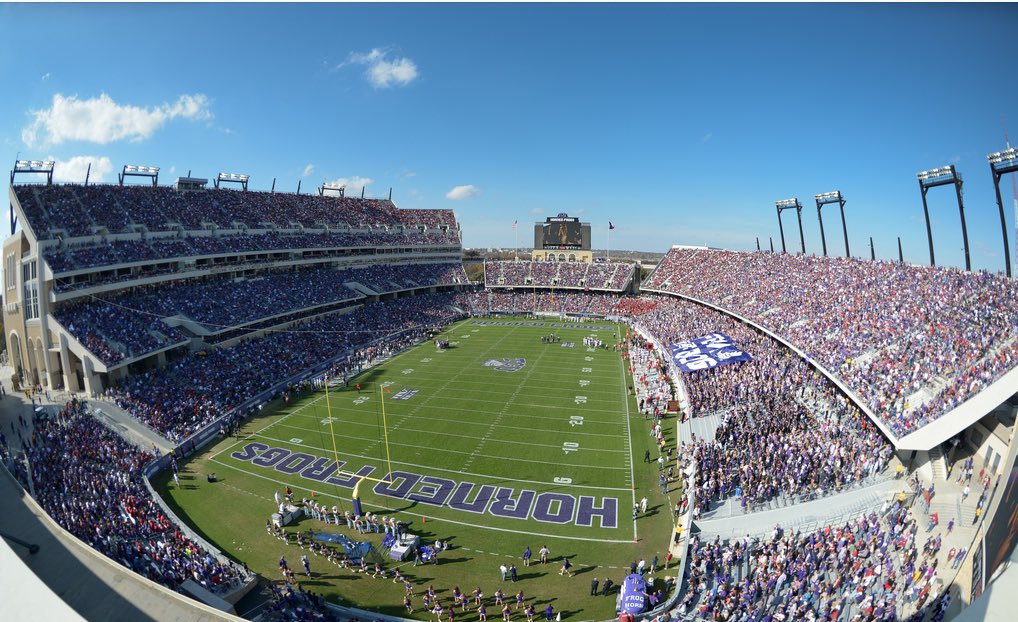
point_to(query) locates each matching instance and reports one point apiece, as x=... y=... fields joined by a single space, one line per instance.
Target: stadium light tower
x=941 y=177
x=1002 y=163
x=790 y=204
x=132 y=170
x=340 y=188
x=236 y=178
x=30 y=167
x=825 y=199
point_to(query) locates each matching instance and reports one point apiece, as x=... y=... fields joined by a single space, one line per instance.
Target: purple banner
x=632 y=596
x=707 y=352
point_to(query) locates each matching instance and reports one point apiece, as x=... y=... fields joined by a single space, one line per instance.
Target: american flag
x=610 y=225
x=514 y=224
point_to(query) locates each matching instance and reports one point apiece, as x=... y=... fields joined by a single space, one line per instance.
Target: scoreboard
x=562 y=233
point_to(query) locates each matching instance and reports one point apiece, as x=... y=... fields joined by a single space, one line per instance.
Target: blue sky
x=682 y=124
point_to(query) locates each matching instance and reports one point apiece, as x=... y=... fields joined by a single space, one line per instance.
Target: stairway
x=939 y=464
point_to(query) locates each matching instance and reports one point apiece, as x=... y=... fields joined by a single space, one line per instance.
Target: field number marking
x=569 y=446
x=407 y=372
x=588 y=358
x=581 y=399
x=329 y=420
x=361 y=400
x=575 y=420
x=296 y=441
x=584 y=383
x=563 y=480
x=387 y=384
x=426 y=360
x=587 y=370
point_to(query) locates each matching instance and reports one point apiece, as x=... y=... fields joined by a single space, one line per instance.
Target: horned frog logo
x=506 y=364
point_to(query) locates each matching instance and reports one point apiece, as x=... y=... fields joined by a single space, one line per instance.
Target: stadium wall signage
x=546 y=507
x=707 y=352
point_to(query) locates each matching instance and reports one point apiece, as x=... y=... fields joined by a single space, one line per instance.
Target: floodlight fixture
x=332 y=187
x=826 y=198
x=134 y=170
x=1002 y=163
x=781 y=206
x=236 y=178
x=44 y=167
x=1006 y=157
x=942 y=176
x=937 y=176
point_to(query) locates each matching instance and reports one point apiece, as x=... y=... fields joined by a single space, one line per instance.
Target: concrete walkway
x=803 y=516
x=131 y=429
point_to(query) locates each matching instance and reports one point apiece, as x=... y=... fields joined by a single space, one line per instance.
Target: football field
x=504 y=440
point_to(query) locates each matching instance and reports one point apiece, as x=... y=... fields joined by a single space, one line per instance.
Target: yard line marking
x=629 y=435
x=274 y=422
x=505 y=407
x=455 y=451
x=497 y=478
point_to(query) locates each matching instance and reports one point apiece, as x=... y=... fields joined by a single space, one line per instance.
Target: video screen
x=563 y=235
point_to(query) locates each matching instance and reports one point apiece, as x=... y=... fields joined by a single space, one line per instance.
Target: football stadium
x=226 y=400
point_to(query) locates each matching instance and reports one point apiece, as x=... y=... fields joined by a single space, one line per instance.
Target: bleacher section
x=604 y=276
x=72 y=211
x=913 y=342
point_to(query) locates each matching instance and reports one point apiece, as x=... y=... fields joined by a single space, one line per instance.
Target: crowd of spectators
x=86 y=255
x=82 y=210
x=785 y=429
x=113 y=333
x=912 y=341
x=183 y=397
x=869 y=569
x=544 y=301
x=129 y=323
x=612 y=276
x=89 y=480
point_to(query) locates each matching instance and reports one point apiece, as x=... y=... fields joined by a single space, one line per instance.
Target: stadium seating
x=89 y=480
x=611 y=276
x=185 y=396
x=129 y=324
x=870 y=568
x=82 y=210
x=784 y=429
x=912 y=341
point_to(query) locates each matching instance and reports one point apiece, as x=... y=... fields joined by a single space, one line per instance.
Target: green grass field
x=556 y=444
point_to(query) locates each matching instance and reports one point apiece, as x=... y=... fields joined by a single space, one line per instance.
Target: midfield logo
x=506 y=364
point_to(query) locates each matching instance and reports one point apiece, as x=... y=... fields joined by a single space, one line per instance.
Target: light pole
x=825 y=199
x=941 y=177
x=1002 y=163
x=790 y=204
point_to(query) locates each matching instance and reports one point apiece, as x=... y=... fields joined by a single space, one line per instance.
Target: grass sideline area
x=547 y=426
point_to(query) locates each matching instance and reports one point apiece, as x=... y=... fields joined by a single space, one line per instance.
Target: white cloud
x=353 y=184
x=310 y=168
x=102 y=120
x=383 y=72
x=74 y=170
x=46 y=76
x=461 y=193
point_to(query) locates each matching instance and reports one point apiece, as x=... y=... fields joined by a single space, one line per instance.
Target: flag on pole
x=514 y=224
x=610 y=225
